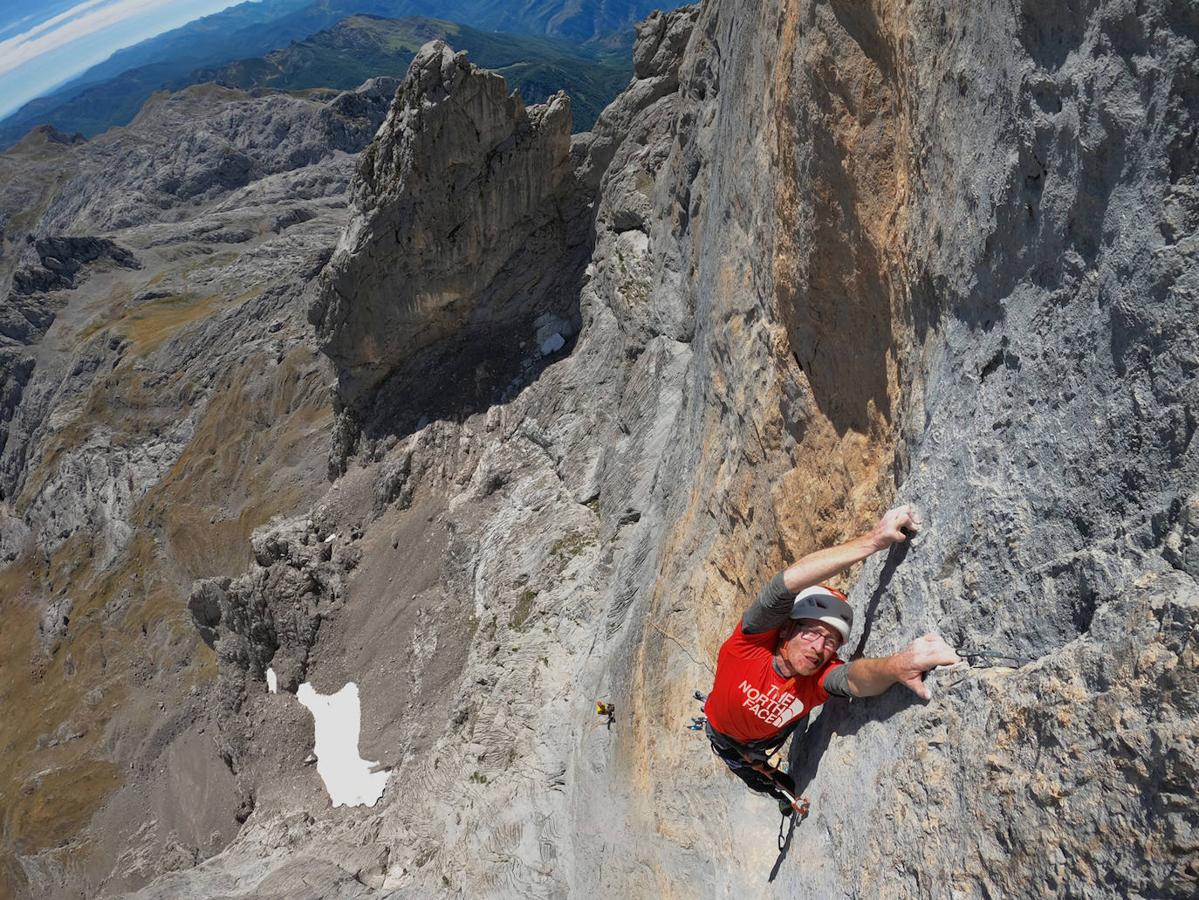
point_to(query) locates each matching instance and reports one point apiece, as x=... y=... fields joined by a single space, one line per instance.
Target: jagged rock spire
x=460 y=178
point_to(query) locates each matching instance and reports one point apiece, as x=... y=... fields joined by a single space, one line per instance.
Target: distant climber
x=781 y=660
x=607 y=711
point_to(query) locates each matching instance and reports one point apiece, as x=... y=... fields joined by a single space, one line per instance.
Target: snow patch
x=348 y=778
x=552 y=332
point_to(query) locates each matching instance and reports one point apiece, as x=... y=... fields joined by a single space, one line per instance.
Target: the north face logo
x=771 y=706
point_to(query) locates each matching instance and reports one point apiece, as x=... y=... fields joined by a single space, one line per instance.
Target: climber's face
x=805 y=646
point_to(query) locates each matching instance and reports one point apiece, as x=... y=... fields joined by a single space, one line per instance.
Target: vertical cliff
x=950 y=263
x=816 y=259
x=842 y=254
x=463 y=184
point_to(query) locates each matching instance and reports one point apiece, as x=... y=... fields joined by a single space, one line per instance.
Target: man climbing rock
x=781 y=660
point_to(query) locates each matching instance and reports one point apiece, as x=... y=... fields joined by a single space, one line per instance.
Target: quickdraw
x=801 y=806
x=987 y=658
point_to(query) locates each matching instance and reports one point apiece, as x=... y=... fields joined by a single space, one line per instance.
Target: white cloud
x=13 y=26
x=77 y=22
x=55 y=21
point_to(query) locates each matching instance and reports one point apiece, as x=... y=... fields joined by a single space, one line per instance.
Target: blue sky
x=46 y=42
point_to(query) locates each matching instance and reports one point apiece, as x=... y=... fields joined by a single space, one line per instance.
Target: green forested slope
x=364 y=46
x=111 y=93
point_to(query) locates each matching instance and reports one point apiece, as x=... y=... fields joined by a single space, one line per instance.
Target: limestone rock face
x=56 y=261
x=149 y=342
x=15 y=369
x=936 y=258
x=270 y=617
x=206 y=141
x=461 y=186
x=817 y=259
x=48 y=266
x=267 y=618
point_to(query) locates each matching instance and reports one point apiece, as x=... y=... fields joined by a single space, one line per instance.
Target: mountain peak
x=436 y=219
x=41 y=135
x=437 y=71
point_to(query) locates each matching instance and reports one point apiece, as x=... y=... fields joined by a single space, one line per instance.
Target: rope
x=681 y=646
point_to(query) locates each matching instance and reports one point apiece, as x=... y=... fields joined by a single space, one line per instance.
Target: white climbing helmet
x=827 y=605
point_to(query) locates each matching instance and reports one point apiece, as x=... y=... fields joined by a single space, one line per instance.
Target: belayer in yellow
x=781 y=660
x=607 y=710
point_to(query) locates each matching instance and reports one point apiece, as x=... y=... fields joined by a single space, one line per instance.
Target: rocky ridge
x=146 y=326
x=362 y=46
x=836 y=256
x=435 y=249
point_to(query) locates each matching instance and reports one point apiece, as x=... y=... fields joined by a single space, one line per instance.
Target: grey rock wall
x=1050 y=438
x=54 y=264
x=47 y=266
x=854 y=256
x=821 y=258
x=464 y=205
x=161 y=344
x=972 y=296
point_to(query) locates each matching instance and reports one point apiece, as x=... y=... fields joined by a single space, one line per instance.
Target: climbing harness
x=793 y=805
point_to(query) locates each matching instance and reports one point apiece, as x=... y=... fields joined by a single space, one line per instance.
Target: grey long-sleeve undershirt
x=771 y=610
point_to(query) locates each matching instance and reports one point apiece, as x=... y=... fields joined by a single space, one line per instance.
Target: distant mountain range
x=362 y=46
x=108 y=94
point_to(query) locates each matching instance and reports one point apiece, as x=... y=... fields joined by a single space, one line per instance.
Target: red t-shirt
x=750 y=701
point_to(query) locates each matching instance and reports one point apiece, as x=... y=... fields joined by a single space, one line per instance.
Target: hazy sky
x=45 y=42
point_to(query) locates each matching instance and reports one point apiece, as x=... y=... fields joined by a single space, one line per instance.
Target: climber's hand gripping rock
x=896 y=526
x=922 y=655
x=869 y=677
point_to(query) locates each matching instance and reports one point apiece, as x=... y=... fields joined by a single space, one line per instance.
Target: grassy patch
x=118 y=297
x=60 y=802
x=243 y=466
x=524 y=608
x=47 y=794
x=150 y=325
x=567 y=548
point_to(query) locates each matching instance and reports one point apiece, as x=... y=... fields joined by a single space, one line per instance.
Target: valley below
x=417 y=387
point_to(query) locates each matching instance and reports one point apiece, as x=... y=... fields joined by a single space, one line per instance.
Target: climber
x=781 y=660
x=607 y=711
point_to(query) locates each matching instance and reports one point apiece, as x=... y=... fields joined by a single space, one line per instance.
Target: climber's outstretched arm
x=871 y=677
x=823 y=564
x=773 y=606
